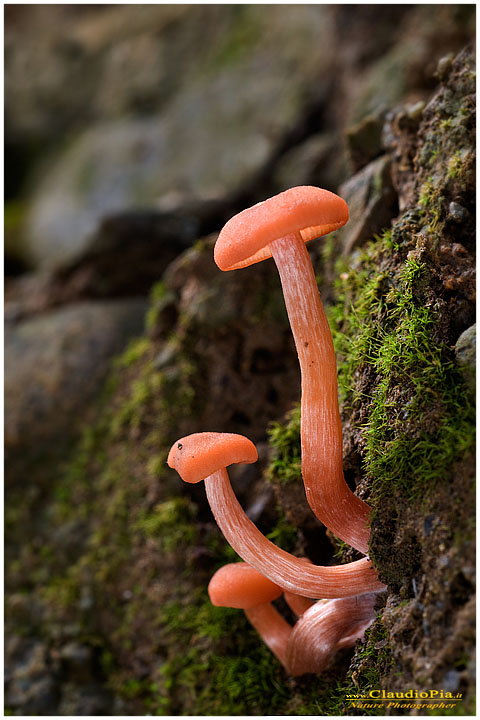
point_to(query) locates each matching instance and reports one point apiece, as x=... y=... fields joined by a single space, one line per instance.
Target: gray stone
x=85 y=700
x=316 y=161
x=457 y=212
x=55 y=363
x=451 y=681
x=123 y=60
x=466 y=353
x=29 y=686
x=75 y=653
x=133 y=163
x=24 y=610
x=371 y=201
x=444 y=65
x=208 y=140
x=364 y=140
x=166 y=357
x=415 y=111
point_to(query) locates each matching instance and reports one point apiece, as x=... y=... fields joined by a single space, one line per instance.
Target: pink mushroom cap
x=238 y=585
x=196 y=457
x=307 y=210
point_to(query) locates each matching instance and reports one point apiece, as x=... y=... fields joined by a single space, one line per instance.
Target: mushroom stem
x=329 y=496
x=297 y=603
x=290 y=573
x=241 y=586
x=324 y=629
x=272 y=628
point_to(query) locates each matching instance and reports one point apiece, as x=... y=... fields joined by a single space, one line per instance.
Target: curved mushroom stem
x=272 y=628
x=329 y=496
x=297 y=603
x=290 y=573
x=324 y=629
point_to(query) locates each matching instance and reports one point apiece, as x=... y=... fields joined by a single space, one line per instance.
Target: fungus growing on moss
x=297 y=603
x=280 y=227
x=205 y=456
x=325 y=628
x=240 y=586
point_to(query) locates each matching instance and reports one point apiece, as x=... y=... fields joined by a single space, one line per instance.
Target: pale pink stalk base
x=324 y=629
x=329 y=496
x=272 y=628
x=290 y=573
x=297 y=603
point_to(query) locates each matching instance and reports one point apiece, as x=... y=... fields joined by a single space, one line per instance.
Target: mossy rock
x=134 y=586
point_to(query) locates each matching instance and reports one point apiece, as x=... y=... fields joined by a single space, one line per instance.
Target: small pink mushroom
x=323 y=628
x=240 y=586
x=205 y=456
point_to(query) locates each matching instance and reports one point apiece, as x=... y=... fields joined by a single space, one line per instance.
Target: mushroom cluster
x=333 y=605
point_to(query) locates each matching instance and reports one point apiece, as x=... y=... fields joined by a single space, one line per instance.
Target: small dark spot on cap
x=305 y=344
x=179 y=446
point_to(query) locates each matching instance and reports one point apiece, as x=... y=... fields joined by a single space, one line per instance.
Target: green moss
x=430 y=200
x=136 y=349
x=462 y=709
x=244 y=34
x=170 y=522
x=160 y=297
x=13 y=215
x=373 y=659
x=156 y=464
x=418 y=420
x=454 y=165
x=285 y=465
x=284 y=534
x=168 y=392
x=227 y=670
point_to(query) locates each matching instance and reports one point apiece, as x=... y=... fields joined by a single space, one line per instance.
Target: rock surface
x=466 y=355
x=227 y=107
x=55 y=364
x=372 y=203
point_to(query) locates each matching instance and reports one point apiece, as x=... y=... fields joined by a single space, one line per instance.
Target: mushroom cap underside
x=197 y=456
x=309 y=210
x=238 y=585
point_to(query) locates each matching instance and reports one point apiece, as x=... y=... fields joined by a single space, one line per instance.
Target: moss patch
x=397 y=374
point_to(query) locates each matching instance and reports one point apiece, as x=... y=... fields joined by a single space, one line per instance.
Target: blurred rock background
x=132 y=133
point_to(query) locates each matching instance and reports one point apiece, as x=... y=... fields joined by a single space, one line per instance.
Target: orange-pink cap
x=308 y=210
x=239 y=585
x=197 y=456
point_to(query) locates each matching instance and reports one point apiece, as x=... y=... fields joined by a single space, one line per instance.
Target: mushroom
x=325 y=628
x=280 y=227
x=205 y=456
x=240 y=586
x=297 y=603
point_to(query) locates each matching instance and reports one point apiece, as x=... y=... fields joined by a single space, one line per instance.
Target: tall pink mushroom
x=205 y=456
x=280 y=227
